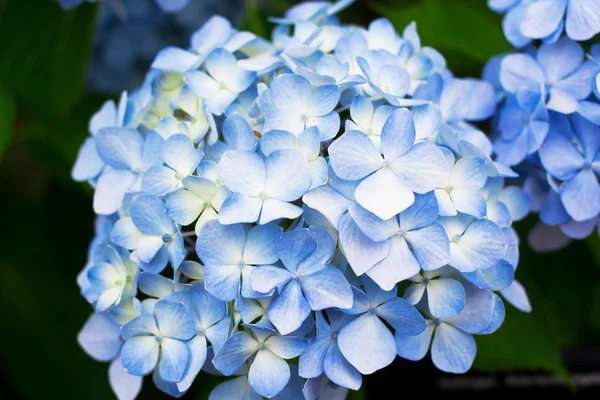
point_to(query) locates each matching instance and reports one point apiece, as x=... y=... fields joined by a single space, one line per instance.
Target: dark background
x=46 y=220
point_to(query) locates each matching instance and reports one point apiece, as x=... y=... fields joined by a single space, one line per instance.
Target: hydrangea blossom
x=547 y=124
x=527 y=20
x=250 y=190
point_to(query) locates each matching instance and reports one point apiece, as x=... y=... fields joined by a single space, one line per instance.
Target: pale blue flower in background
x=231 y=253
x=523 y=125
x=262 y=189
x=545 y=19
x=558 y=69
x=571 y=153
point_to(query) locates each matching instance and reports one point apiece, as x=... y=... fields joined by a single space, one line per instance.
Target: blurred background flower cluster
x=57 y=67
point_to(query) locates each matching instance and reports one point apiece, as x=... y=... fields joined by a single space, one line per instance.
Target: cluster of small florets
x=295 y=213
x=548 y=124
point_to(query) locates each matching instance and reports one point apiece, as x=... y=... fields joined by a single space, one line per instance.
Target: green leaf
x=7 y=120
x=44 y=53
x=41 y=308
x=256 y=20
x=459 y=29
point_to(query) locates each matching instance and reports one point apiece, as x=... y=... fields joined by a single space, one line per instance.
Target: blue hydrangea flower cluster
x=547 y=126
x=295 y=213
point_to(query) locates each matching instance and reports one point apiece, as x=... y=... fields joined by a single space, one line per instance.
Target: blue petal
x=445 y=298
x=124 y=385
x=499 y=277
x=430 y=246
x=295 y=247
x=414 y=347
x=144 y=324
x=371 y=225
x=340 y=371
x=310 y=364
x=197 y=358
x=583 y=19
x=497 y=318
x=221 y=244
x=398 y=134
x=222 y=281
x=155 y=285
x=111 y=187
x=100 y=337
x=384 y=193
x=140 y=355
x=423 y=212
x=239 y=208
x=209 y=310
x=402 y=316
x=174 y=358
x=243 y=172
x=261 y=244
x=234 y=353
x=367 y=344
x=174 y=320
x=173 y=59
x=327 y=288
x=581 y=195
x=148 y=215
x=236 y=388
x=286 y=346
x=238 y=134
x=361 y=252
x=289 y=309
x=265 y=279
x=542 y=18
x=478 y=311
x=268 y=374
x=515 y=294
x=353 y=156
x=398 y=265
x=120 y=147
x=452 y=350
x=288 y=176
x=88 y=164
